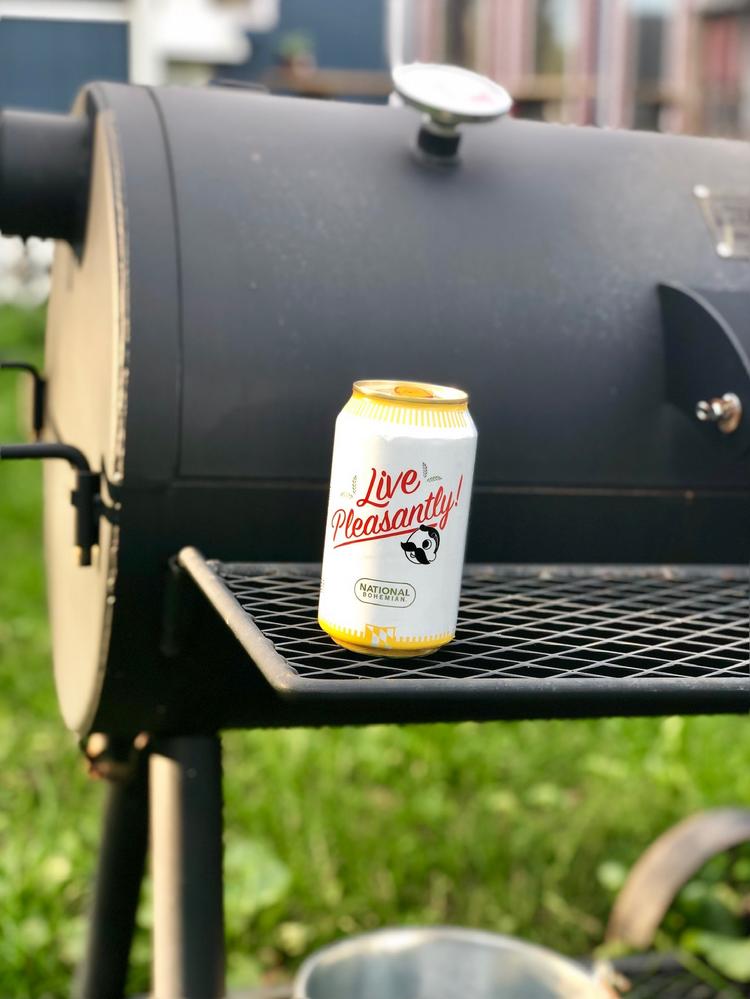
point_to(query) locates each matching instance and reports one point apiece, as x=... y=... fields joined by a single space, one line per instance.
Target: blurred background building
x=674 y=65
x=681 y=65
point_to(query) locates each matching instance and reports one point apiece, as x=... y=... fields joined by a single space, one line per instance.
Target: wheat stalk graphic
x=353 y=493
x=430 y=478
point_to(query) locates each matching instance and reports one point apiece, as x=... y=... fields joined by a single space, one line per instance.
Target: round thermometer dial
x=450 y=94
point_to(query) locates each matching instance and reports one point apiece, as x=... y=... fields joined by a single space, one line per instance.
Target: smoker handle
x=67 y=452
x=45 y=165
x=37 y=415
x=85 y=497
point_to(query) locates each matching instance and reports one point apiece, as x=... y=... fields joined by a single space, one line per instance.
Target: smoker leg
x=186 y=862
x=122 y=859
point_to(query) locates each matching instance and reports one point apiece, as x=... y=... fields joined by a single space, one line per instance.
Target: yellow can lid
x=415 y=393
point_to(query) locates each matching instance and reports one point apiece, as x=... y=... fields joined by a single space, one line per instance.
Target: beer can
x=401 y=477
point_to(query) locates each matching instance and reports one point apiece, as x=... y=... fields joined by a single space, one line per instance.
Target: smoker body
x=247 y=257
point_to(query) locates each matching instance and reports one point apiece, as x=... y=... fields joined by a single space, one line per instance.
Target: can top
x=414 y=393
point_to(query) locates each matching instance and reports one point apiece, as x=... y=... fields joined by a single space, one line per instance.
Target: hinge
x=707 y=360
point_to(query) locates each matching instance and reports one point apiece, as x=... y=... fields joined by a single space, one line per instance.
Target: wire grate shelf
x=546 y=641
x=536 y=625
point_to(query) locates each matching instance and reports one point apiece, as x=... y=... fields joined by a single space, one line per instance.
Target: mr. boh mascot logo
x=421 y=547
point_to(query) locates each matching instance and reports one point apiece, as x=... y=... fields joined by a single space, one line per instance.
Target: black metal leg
x=122 y=860
x=186 y=868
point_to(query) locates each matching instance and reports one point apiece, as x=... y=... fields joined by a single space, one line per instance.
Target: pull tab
x=448 y=96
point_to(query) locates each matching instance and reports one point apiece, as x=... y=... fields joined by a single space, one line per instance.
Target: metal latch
x=725 y=412
x=86 y=498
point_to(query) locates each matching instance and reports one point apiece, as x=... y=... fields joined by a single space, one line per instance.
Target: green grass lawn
x=522 y=828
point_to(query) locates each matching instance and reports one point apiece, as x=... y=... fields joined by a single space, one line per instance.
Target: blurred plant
x=710 y=915
x=297 y=50
x=710 y=918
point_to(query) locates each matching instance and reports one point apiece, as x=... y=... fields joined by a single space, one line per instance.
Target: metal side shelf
x=532 y=642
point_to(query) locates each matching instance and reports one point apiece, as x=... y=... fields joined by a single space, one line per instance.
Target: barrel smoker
x=227 y=264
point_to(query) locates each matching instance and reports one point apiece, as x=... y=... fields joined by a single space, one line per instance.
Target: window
x=461 y=32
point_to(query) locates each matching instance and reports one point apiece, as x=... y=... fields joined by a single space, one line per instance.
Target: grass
x=523 y=828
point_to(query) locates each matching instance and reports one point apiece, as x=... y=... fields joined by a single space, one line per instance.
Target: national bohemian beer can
x=403 y=463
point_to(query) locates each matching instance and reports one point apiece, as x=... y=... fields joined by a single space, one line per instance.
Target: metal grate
x=532 y=642
x=531 y=624
x=659 y=976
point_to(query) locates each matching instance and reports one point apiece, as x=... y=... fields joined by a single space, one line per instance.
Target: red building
x=678 y=65
x=721 y=57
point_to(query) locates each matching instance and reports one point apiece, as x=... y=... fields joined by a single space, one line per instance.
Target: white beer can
x=403 y=463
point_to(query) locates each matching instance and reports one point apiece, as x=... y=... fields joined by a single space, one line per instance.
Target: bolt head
x=96 y=744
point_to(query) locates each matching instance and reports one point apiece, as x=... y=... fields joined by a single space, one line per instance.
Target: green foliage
x=728 y=954
x=296 y=45
x=524 y=828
